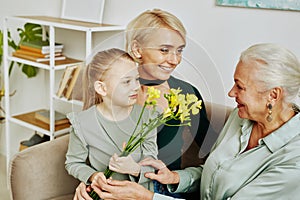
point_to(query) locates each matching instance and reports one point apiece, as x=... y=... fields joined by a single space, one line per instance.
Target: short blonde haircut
x=142 y=26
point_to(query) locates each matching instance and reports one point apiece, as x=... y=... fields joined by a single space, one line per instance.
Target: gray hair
x=277 y=67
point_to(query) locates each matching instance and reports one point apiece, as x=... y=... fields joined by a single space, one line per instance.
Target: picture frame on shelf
x=86 y=11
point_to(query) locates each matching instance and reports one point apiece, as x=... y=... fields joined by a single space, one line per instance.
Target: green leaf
x=12 y=44
x=29 y=70
x=30 y=32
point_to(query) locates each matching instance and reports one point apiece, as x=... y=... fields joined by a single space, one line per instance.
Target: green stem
x=94 y=195
x=154 y=124
x=137 y=124
x=10 y=68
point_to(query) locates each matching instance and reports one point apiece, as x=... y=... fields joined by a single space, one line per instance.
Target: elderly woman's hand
x=113 y=189
x=82 y=192
x=163 y=175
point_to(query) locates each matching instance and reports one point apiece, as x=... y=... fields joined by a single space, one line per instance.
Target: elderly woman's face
x=251 y=102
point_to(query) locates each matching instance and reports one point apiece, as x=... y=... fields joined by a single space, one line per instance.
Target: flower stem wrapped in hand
x=180 y=107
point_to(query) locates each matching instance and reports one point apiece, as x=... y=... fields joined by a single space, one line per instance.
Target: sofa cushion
x=64 y=197
x=39 y=172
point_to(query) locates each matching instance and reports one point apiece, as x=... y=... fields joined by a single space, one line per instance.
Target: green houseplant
x=29 y=32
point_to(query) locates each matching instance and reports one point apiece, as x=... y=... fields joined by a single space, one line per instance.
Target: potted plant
x=29 y=32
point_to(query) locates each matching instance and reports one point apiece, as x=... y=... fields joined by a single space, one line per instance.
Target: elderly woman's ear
x=275 y=94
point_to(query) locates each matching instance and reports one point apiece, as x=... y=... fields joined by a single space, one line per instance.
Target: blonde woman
x=156 y=40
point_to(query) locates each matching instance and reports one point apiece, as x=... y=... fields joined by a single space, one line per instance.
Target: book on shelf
x=71 y=83
x=41 y=46
x=39 y=50
x=44 y=116
x=77 y=91
x=68 y=81
x=36 y=59
x=36 y=54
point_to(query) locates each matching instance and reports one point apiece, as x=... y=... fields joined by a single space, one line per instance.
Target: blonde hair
x=95 y=71
x=277 y=67
x=142 y=26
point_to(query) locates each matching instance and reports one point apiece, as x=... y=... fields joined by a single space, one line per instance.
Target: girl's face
x=122 y=83
x=161 y=54
x=251 y=102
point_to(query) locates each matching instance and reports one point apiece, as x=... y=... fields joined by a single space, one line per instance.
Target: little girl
x=109 y=116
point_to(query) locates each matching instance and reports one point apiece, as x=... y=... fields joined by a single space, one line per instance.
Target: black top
x=169 y=138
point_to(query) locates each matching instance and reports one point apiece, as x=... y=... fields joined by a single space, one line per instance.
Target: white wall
x=222 y=31
x=216 y=35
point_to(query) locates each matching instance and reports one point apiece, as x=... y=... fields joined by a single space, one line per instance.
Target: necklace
x=150 y=82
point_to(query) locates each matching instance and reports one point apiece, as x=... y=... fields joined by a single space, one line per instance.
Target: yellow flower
x=167 y=113
x=175 y=91
x=185 y=115
x=173 y=103
x=180 y=106
x=153 y=94
x=196 y=107
x=191 y=98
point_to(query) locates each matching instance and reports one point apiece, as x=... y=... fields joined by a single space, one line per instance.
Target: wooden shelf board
x=29 y=118
x=73 y=24
x=59 y=64
x=64 y=62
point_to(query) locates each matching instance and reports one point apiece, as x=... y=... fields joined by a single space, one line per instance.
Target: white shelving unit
x=27 y=119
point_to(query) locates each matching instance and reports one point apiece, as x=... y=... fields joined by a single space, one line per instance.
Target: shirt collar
x=284 y=134
x=279 y=137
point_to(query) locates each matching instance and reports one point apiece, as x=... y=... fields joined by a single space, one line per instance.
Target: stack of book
x=44 y=116
x=38 y=51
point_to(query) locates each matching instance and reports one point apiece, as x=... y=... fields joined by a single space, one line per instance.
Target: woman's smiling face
x=251 y=101
x=161 y=54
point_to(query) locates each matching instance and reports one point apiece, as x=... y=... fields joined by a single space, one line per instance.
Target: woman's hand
x=125 y=190
x=124 y=165
x=163 y=175
x=82 y=192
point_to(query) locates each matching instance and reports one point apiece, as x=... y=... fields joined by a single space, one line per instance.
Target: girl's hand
x=124 y=165
x=81 y=192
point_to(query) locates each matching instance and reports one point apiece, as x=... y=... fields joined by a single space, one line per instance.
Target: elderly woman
x=257 y=155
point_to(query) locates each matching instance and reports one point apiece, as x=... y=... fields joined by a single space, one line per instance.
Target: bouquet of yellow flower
x=180 y=107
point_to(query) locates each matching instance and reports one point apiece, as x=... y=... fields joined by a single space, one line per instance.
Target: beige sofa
x=38 y=173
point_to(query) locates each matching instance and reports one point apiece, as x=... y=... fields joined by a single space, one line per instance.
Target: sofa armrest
x=39 y=172
x=217 y=114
